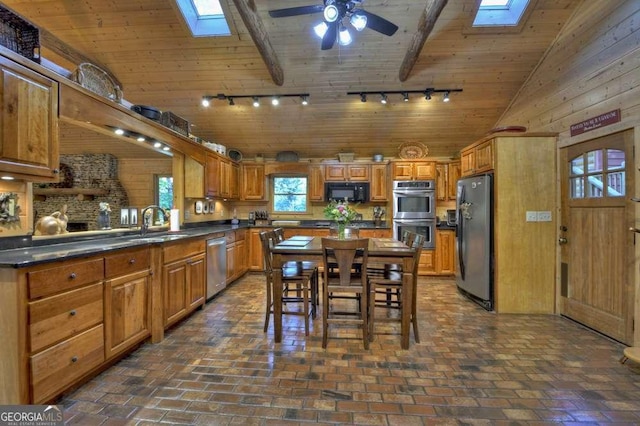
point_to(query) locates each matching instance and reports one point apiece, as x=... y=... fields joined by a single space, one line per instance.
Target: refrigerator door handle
x=460 y=223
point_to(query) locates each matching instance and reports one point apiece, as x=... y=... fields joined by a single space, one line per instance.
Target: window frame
x=205 y=26
x=273 y=194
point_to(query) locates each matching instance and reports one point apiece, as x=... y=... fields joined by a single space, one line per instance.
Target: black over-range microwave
x=354 y=192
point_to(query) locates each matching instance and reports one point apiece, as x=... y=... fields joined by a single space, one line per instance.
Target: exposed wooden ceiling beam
x=247 y=10
x=61 y=48
x=428 y=19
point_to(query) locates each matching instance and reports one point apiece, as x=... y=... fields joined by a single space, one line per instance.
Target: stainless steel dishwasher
x=216 y=266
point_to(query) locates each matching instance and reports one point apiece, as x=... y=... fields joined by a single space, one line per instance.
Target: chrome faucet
x=147 y=219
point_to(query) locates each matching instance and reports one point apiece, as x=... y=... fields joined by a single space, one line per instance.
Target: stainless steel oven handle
x=419 y=193
x=415 y=221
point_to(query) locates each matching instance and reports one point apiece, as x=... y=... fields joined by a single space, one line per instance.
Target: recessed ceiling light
x=119 y=132
x=7 y=178
x=157 y=145
x=140 y=139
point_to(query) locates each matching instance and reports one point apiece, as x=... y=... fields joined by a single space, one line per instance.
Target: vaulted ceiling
x=148 y=48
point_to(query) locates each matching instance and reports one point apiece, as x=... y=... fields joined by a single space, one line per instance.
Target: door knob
x=562 y=240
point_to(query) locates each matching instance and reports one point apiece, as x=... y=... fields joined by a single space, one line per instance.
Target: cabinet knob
x=74 y=359
x=72 y=276
x=56 y=171
x=132 y=261
x=562 y=240
x=73 y=313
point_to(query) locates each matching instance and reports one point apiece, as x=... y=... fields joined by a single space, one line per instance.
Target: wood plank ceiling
x=148 y=48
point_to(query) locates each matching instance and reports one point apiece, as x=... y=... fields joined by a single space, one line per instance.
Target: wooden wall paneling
x=137 y=177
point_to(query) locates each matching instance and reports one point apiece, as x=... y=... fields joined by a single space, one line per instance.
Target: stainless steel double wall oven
x=414 y=209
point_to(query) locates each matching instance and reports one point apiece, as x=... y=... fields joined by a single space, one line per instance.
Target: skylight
x=205 y=18
x=500 y=12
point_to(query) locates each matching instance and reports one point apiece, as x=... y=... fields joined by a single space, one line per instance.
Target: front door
x=597 y=248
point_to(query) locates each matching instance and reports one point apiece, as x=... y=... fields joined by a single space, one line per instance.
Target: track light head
x=275 y=101
x=206 y=101
x=231 y=102
x=405 y=96
x=363 y=97
x=445 y=97
x=305 y=100
x=256 y=102
x=383 y=98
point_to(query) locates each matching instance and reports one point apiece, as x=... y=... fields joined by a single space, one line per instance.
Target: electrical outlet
x=544 y=216
x=532 y=216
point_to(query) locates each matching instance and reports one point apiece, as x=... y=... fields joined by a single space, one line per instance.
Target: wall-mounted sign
x=595 y=122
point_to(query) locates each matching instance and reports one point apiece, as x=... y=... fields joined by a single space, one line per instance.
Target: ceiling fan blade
x=295 y=11
x=379 y=24
x=330 y=36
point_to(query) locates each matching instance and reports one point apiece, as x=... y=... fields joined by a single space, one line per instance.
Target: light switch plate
x=532 y=216
x=544 y=216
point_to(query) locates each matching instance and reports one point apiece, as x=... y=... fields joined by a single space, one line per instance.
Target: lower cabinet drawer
x=56 y=318
x=57 y=367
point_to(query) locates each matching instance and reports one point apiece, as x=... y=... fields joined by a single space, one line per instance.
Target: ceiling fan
x=336 y=14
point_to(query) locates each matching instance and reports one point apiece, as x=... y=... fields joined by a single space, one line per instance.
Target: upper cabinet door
x=253 y=182
x=29 y=123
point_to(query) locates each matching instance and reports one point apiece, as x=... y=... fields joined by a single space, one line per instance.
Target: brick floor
x=472 y=367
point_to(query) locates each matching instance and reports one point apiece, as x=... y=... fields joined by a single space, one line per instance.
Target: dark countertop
x=445 y=226
x=62 y=248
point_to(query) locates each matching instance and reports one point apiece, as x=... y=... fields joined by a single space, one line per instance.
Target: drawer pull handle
x=73 y=313
x=74 y=359
x=72 y=276
x=132 y=261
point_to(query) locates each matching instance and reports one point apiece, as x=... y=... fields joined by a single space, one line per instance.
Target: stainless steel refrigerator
x=474 y=238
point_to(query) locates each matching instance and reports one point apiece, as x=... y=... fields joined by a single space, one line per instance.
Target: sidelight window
x=598 y=174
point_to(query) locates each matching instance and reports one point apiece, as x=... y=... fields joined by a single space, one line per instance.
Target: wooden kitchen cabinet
x=379 y=182
x=316 y=182
x=427 y=264
x=256 y=257
x=347 y=172
x=237 y=263
x=65 y=323
x=253 y=182
x=183 y=279
x=222 y=177
x=413 y=170
x=477 y=158
x=447 y=175
x=127 y=300
x=445 y=252
x=29 y=114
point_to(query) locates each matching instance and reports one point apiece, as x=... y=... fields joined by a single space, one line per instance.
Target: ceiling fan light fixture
x=321 y=29
x=344 y=37
x=331 y=12
x=359 y=21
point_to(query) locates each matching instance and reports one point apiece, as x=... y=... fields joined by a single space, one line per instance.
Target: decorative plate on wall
x=412 y=150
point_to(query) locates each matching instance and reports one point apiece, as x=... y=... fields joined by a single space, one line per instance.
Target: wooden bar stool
x=300 y=278
x=392 y=282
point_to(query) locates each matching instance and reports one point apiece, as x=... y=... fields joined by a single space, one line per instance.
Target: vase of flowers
x=341 y=213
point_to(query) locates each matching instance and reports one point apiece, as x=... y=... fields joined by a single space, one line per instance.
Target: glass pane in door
x=577 y=187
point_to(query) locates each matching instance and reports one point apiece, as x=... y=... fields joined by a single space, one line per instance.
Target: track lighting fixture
x=405 y=94
x=206 y=101
x=275 y=98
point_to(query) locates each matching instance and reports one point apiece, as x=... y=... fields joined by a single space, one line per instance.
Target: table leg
x=277 y=297
x=407 y=299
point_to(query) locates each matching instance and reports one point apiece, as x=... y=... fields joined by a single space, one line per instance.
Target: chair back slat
x=347 y=254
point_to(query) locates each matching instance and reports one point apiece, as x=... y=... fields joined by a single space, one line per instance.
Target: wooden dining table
x=381 y=251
